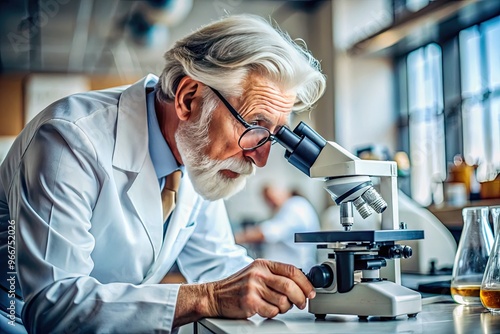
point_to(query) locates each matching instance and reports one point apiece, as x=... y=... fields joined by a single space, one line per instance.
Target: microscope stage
x=372 y=236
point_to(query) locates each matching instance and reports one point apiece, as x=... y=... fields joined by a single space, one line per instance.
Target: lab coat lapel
x=131 y=157
x=144 y=194
x=182 y=216
x=131 y=147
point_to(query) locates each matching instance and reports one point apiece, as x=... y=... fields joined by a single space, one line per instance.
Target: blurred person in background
x=292 y=213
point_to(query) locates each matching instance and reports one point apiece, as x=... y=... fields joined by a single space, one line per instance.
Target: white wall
x=364 y=94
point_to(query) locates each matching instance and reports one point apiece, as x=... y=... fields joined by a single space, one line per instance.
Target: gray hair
x=222 y=54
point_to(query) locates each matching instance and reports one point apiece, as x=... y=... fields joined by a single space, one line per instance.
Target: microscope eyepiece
x=288 y=139
x=303 y=146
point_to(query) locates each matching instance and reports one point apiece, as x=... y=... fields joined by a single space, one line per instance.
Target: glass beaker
x=472 y=256
x=495 y=216
x=490 y=287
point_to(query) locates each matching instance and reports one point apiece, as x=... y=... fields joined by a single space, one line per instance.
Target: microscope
x=361 y=273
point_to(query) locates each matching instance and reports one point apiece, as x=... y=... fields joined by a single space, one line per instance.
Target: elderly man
x=88 y=229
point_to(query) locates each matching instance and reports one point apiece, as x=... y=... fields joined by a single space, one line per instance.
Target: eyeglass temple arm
x=230 y=107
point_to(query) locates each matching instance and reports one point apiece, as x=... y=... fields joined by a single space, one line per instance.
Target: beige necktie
x=169 y=193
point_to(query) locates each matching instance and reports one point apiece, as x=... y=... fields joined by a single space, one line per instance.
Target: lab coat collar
x=132 y=126
x=161 y=154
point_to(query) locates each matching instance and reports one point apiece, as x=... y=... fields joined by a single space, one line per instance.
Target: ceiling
x=61 y=35
x=98 y=36
x=69 y=35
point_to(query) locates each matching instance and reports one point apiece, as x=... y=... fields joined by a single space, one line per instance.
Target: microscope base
x=379 y=299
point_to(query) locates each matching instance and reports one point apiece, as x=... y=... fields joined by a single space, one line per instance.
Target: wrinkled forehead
x=267 y=97
x=261 y=87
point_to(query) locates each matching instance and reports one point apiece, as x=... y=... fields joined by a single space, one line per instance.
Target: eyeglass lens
x=254 y=137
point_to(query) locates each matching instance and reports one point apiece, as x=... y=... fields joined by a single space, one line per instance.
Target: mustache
x=236 y=165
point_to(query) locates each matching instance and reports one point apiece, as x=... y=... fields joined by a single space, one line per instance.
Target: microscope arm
x=347 y=178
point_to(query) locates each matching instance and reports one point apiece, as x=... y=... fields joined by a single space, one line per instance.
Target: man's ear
x=187 y=90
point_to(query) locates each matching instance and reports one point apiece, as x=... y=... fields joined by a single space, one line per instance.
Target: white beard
x=204 y=172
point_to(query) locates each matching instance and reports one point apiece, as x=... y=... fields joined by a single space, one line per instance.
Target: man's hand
x=264 y=287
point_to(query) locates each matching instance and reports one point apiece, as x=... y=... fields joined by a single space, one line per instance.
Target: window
x=426 y=123
x=480 y=82
x=452 y=109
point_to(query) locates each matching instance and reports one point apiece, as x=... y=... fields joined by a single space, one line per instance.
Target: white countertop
x=439 y=315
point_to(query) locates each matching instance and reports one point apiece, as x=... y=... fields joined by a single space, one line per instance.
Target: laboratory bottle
x=490 y=287
x=472 y=255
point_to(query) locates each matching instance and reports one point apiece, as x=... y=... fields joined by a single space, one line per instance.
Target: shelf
x=451 y=216
x=436 y=22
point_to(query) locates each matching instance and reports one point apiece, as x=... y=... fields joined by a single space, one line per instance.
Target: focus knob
x=320 y=276
x=396 y=251
x=407 y=252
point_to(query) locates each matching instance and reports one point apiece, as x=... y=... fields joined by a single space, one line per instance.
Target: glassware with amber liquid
x=490 y=287
x=472 y=256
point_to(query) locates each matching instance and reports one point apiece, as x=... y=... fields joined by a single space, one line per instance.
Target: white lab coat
x=81 y=187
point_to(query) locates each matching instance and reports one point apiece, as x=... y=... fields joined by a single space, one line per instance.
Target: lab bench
x=439 y=315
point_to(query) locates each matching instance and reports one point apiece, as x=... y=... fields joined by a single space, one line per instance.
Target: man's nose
x=260 y=155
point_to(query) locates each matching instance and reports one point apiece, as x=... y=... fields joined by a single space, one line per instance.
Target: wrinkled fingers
x=265 y=309
x=279 y=300
x=295 y=275
x=288 y=288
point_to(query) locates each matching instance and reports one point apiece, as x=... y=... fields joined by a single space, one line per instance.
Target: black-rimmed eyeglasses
x=254 y=136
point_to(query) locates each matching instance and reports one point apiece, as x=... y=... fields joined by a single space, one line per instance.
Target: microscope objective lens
x=364 y=210
x=372 y=197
